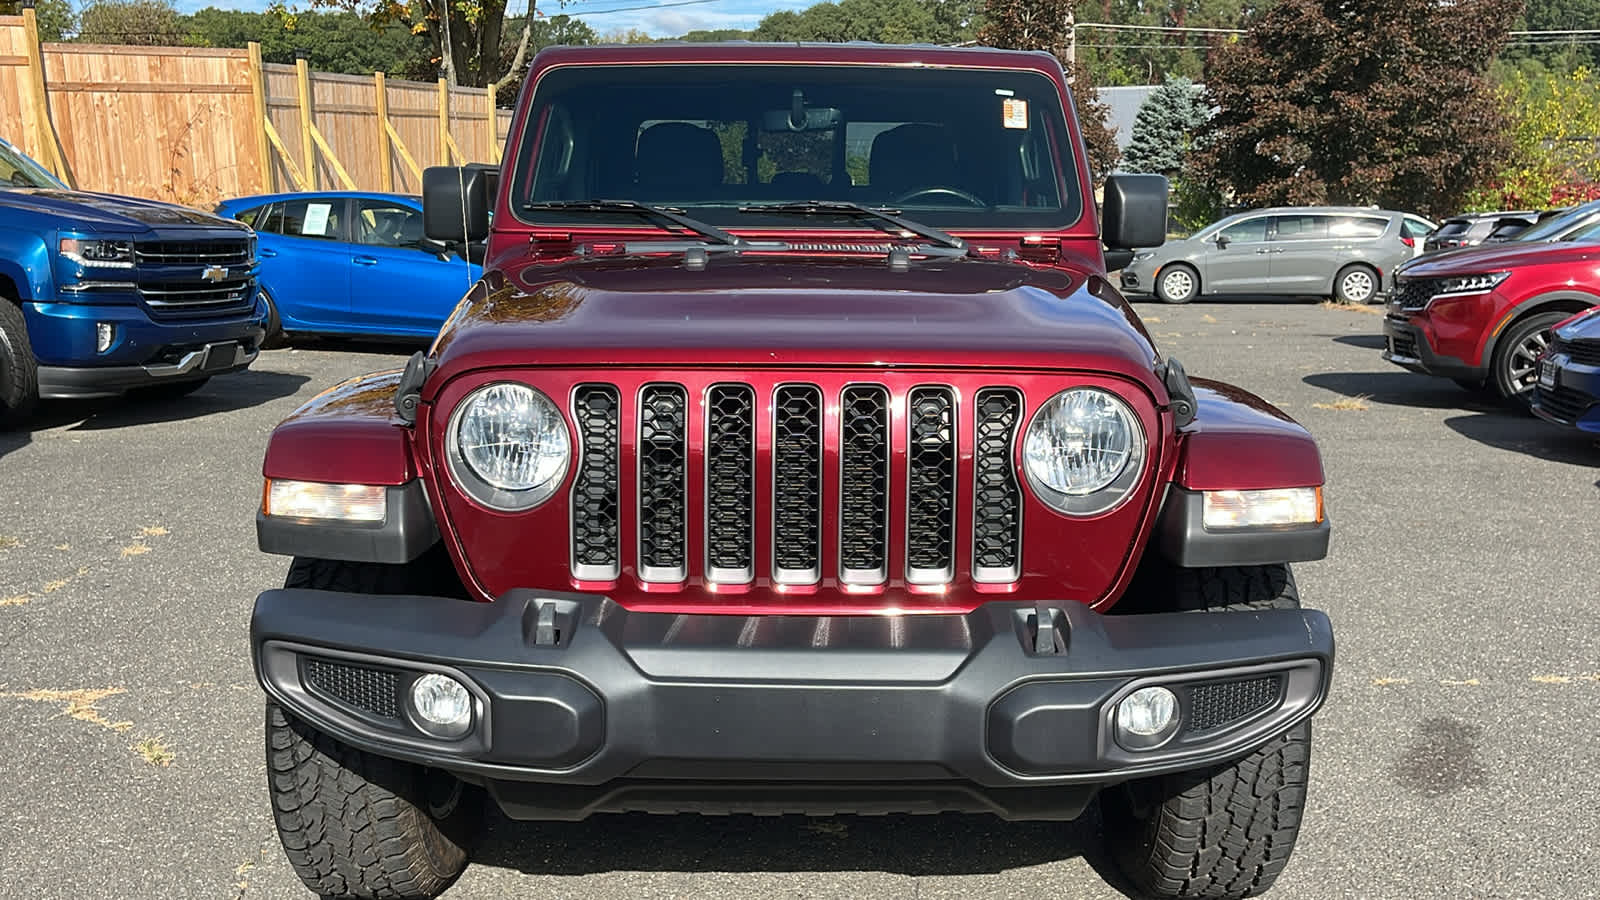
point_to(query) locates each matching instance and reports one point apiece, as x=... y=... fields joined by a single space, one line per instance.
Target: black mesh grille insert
x=996 y=497
x=1221 y=703
x=730 y=481
x=1564 y=403
x=662 y=460
x=595 y=545
x=372 y=691
x=864 y=483
x=797 y=483
x=223 y=252
x=1415 y=294
x=1583 y=352
x=931 y=484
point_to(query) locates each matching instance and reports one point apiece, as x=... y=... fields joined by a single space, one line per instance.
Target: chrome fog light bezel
x=1132 y=739
x=448 y=729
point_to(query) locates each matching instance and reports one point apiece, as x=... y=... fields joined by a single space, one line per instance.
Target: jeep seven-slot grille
x=739 y=530
x=663 y=486
x=796 y=484
x=730 y=483
x=363 y=688
x=1215 y=705
x=596 y=550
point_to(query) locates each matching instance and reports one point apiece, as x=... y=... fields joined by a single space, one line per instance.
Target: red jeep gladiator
x=793 y=455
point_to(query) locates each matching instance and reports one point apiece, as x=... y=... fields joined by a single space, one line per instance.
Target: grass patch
x=1357 y=403
x=1353 y=307
x=155 y=752
x=78 y=704
x=7 y=542
x=50 y=587
x=63 y=547
x=19 y=600
x=154 y=531
x=135 y=550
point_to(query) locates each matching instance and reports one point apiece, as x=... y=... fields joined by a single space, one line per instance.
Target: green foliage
x=702 y=36
x=1558 y=55
x=334 y=42
x=1359 y=102
x=1555 y=135
x=55 y=17
x=1168 y=122
x=1196 y=203
x=884 y=21
x=138 y=22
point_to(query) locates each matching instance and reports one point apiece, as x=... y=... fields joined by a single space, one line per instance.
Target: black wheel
x=19 y=371
x=354 y=824
x=1355 y=284
x=1177 y=283
x=275 y=337
x=1515 y=369
x=1225 y=831
x=160 y=392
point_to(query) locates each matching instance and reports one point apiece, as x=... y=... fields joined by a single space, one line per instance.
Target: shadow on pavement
x=948 y=844
x=1264 y=299
x=1534 y=437
x=1402 y=388
x=1364 y=341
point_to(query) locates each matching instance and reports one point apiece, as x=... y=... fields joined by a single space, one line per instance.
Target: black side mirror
x=1134 y=213
x=456 y=202
x=430 y=246
x=1222 y=242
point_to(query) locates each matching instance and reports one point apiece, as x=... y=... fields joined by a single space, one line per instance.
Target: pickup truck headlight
x=105 y=254
x=507 y=446
x=1083 y=452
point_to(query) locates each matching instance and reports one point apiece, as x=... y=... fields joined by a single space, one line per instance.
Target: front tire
x=1225 y=831
x=1515 y=366
x=275 y=336
x=19 y=370
x=1177 y=283
x=1355 y=285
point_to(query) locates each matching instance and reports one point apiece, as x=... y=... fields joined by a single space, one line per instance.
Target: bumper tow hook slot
x=545 y=633
x=1047 y=626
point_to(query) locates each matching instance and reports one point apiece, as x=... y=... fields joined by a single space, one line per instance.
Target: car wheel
x=1355 y=285
x=1177 y=283
x=19 y=371
x=275 y=337
x=1515 y=366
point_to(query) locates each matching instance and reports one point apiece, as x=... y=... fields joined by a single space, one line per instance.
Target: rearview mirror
x=456 y=202
x=1134 y=214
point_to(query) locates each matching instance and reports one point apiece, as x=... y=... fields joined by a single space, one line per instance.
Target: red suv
x=1482 y=316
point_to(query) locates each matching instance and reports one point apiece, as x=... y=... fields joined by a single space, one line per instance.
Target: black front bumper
x=204 y=361
x=582 y=706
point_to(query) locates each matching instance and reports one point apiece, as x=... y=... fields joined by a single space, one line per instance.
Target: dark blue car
x=1568 y=388
x=350 y=263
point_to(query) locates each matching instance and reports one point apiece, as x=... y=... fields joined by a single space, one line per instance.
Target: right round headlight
x=507 y=446
x=1083 y=451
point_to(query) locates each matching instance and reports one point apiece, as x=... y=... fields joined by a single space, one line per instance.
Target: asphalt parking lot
x=1456 y=757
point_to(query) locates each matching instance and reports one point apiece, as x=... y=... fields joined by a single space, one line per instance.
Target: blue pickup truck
x=103 y=295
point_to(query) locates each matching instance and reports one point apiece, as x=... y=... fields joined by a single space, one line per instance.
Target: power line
x=602 y=12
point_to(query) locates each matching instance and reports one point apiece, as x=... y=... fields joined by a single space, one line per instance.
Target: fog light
x=1146 y=718
x=443 y=705
x=103 y=333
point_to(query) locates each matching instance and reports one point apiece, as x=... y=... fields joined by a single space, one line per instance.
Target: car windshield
x=1550 y=229
x=1585 y=234
x=18 y=171
x=950 y=148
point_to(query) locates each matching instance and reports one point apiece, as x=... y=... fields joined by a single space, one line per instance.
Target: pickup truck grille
x=718 y=515
x=182 y=280
x=228 y=252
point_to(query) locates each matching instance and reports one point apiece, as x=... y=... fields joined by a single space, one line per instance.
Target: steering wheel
x=941 y=191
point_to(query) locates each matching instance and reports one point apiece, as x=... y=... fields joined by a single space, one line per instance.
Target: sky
x=657 y=18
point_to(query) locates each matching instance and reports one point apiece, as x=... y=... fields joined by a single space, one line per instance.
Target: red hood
x=1495 y=257
x=770 y=312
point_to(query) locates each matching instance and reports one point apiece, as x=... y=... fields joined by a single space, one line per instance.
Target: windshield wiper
x=675 y=216
x=887 y=216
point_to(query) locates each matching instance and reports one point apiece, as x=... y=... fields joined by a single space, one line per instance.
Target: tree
x=55 y=17
x=1562 y=54
x=1555 y=123
x=465 y=34
x=884 y=21
x=1359 y=102
x=1165 y=128
x=138 y=22
x=1047 y=25
x=333 y=42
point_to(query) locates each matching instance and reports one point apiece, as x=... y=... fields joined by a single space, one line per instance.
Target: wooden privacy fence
x=195 y=125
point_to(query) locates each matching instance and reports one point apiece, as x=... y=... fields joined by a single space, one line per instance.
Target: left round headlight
x=1084 y=451
x=507 y=446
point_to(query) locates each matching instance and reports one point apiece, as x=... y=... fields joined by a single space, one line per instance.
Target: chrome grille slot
x=596 y=547
x=996 y=496
x=730 y=483
x=663 y=484
x=864 y=484
x=930 y=485
x=796 y=484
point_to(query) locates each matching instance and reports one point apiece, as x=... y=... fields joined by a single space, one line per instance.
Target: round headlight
x=507 y=446
x=1083 y=451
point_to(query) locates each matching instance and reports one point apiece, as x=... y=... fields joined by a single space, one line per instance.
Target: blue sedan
x=1568 y=387
x=351 y=263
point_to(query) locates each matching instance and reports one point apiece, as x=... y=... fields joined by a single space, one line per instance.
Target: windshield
x=1551 y=229
x=17 y=171
x=952 y=148
x=1585 y=233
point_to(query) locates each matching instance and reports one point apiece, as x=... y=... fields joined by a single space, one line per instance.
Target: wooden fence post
x=385 y=157
x=302 y=74
x=494 y=127
x=37 y=100
x=444 y=123
x=258 y=98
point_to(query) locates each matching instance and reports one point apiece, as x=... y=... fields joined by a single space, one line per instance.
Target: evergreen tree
x=1165 y=128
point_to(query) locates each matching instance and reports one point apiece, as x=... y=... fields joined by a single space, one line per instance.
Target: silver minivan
x=1346 y=253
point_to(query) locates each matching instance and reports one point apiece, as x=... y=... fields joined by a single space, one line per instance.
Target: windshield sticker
x=316 y=223
x=1014 y=113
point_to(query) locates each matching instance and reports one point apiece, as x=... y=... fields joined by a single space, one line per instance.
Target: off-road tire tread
x=351 y=823
x=1226 y=831
x=22 y=368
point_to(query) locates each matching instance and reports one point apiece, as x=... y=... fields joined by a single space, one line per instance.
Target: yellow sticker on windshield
x=1014 y=113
